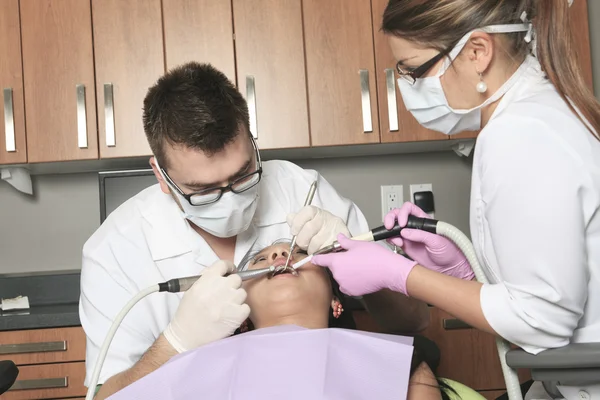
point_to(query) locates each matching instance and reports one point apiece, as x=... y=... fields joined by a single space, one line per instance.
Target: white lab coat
x=147 y=240
x=535 y=219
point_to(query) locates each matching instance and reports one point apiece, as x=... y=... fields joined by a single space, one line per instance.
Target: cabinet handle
x=391 y=99
x=9 y=121
x=42 y=347
x=455 y=324
x=81 y=118
x=251 y=98
x=48 y=383
x=366 y=101
x=109 y=115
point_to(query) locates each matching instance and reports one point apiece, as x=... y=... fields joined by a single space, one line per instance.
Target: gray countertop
x=38 y=317
x=53 y=300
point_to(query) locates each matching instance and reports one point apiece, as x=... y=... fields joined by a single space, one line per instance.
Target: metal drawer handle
x=9 y=121
x=251 y=98
x=49 y=383
x=391 y=99
x=366 y=101
x=455 y=324
x=42 y=347
x=81 y=118
x=109 y=115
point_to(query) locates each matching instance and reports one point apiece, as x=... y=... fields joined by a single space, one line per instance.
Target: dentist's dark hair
x=195 y=106
x=440 y=24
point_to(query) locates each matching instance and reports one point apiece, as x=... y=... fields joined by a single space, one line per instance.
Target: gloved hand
x=315 y=228
x=366 y=267
x=432 y=251
x=212 y=309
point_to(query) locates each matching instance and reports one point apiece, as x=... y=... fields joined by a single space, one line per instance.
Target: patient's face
x=286 y=293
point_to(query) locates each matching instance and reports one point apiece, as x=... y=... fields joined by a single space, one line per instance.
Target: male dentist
x=214 y=200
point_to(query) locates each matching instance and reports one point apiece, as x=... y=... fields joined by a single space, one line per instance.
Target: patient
x=312 y=300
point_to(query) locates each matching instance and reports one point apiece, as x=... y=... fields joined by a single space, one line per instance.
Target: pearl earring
x=337 y=309
x=481 y=86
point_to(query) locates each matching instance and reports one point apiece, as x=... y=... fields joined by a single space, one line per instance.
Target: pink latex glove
x=366 y=267
x=432 y=251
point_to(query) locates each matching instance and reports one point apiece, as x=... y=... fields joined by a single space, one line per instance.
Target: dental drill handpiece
x=309 y=199
x=182 y=284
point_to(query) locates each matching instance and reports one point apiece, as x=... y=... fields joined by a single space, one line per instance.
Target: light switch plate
x=421 y=187
x=391 y=197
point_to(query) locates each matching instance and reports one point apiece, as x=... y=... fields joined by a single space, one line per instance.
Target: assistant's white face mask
x=231 y=215
x=428 y=104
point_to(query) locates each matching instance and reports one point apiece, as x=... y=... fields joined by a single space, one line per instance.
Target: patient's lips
x=281 y=270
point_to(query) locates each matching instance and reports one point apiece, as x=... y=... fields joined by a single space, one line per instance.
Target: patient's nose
x=278 y=253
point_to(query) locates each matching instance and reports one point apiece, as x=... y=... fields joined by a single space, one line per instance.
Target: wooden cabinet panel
x=13 y=148
x=57 y=57
x=50 y=381
x=270 y=52
x=199 y=30
x=465 y=352
x=397 y=123
x=42 y=346
x=129 y=56
x=339 y=44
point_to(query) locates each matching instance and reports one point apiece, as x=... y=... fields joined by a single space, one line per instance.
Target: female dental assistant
x=535 y=198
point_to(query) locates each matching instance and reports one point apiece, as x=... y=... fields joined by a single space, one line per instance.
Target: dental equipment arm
x=171 y=286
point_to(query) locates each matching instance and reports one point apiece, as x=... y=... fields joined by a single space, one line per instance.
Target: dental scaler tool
x=309 y=199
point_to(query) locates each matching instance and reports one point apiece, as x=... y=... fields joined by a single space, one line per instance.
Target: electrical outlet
x=391 y=197
x=422 y=187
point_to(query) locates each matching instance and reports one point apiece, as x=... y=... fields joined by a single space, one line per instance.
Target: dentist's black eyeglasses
x=212 y=195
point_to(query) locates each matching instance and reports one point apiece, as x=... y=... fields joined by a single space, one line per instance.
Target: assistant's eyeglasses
x=212 y=195
x=411 y=75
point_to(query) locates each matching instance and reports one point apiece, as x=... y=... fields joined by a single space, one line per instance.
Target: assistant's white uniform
x=535 y=219
x=146 y=241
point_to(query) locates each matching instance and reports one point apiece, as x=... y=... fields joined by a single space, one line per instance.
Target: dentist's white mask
x=428 y=104
x=231 y=215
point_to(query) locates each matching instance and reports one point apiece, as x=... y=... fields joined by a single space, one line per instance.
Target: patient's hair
x=346 y=321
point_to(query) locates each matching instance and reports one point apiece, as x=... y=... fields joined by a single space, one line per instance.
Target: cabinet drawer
x=48 y=381
x=468 y=355
x=42 y=346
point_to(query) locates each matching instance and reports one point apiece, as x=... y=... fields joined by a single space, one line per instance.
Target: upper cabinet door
x=58 y=71
x=199 y=30
x=397 y=123
x=128 y=43
x=12 y=115
x=340 y=63
x=270 y=66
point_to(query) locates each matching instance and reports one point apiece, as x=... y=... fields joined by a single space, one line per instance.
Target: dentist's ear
x=159 y=177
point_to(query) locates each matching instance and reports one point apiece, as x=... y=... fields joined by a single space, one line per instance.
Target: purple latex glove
x=366 y=267
x=432 y=251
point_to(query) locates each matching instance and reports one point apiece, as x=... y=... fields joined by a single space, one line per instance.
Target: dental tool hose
x=513 y=387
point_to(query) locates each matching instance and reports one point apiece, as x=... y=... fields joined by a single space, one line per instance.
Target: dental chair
x=8 y=375
x=576 y=366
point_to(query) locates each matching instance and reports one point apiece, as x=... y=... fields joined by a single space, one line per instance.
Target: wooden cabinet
x=270 y=67
x=466 y=352
x=58 y=72
x=128 y=44
x=199 y=30
x=340 y=70
x=13 y=148
x=397 y=123
x=51 y=362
